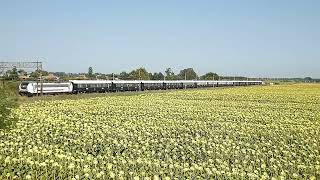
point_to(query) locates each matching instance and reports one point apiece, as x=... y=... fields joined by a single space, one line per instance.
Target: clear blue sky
x=232 y=37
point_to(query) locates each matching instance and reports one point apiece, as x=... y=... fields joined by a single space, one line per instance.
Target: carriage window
x=82 y=85
x=93 y=85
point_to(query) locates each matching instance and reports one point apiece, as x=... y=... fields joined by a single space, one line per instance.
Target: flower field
x=234 y=133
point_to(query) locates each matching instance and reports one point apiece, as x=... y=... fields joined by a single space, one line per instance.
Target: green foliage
x=36 y=74
x=10 y=87
x=139 y=74
x=12 y=74
x=157 y=76
x=22 y=72
x=210 y=76
x=308 y=79
x=124 y=75
x=187 y=74
x=90 y=73
x=7 y=103
x=170 y=74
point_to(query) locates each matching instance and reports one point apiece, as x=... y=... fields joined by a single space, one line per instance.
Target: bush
x=7 y=103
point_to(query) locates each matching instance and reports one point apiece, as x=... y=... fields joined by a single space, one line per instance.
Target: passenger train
x=102 y=86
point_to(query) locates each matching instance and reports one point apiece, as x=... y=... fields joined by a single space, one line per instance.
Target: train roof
x=89 y=81
x=152 y=81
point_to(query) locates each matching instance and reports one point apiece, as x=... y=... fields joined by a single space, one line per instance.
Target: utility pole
x=39 y=78
x=41 y=83
x=212 y=79
x=2 y=74
x=2 y=79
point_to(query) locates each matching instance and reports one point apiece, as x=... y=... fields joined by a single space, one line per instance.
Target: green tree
x=188 y=74
x=151 y=76
x=22 y=72
x=90 y=73
x=12 y=74
x=210 y=76
x=124 y=75
x=139 y=74
x=61 y=75
x=308 y=79
x=157 y=76
x=169 y=74
x=7 y=103
x=36 y=73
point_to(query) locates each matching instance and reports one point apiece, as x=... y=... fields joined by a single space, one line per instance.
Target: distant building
x=24 y=77
x=51 y=77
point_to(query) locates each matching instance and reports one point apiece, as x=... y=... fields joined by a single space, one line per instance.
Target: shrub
x=7 y=103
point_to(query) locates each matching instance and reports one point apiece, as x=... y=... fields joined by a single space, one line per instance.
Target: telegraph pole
x=212 y=79
x=139 y=74
x=37 y=78
x=2 y=74
x=185 y=78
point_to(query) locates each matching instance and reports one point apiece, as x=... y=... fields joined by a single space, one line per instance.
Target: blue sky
x=265 y=38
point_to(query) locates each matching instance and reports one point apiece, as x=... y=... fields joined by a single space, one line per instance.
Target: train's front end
x=24 y=88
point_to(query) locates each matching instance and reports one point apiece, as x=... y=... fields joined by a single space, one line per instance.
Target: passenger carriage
x=89 y=86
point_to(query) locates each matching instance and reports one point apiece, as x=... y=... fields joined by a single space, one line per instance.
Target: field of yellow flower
x=236 y=133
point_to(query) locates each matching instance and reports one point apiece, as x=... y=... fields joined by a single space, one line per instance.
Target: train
x=103 y=86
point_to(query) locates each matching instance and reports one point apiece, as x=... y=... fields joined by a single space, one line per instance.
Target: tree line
x=137 y=74
x=14 y=74
x=143 y=74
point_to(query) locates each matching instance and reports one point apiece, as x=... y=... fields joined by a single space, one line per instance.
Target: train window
x=82 y=85
x=24 y=85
